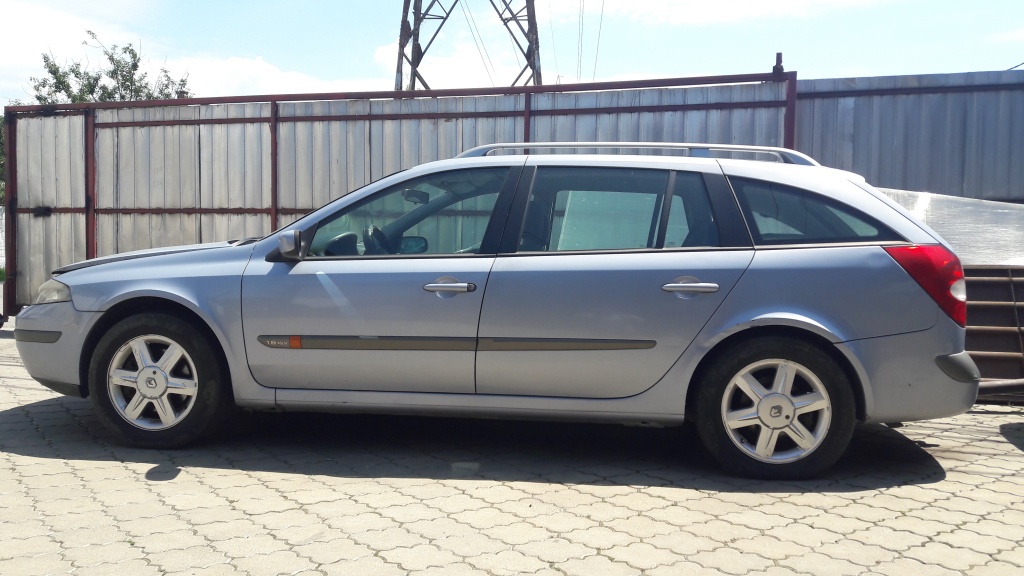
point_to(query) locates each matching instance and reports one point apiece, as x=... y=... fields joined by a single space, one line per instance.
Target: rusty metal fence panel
x=51 y=176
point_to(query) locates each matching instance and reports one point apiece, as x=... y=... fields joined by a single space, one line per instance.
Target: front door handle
x=448 y=287
x=452 y=287
x=691 y=287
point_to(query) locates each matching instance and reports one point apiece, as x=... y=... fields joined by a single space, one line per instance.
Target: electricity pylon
x=418 y=22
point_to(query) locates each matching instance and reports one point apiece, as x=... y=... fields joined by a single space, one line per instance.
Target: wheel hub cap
x=152 y=383
x=776 y=411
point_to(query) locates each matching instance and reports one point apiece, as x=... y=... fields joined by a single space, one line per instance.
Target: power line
x=579 y=44
x=597 y=49
x=1014 y=68
x=473 y=32
x=551 y=32
x=481 y=36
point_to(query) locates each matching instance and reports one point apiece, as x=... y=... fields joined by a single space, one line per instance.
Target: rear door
x=609 y=277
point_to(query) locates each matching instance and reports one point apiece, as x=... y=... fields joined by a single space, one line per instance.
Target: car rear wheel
x=156 y=382
x=776 y=408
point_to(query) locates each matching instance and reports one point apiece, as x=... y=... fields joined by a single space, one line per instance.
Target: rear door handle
x=691 y=287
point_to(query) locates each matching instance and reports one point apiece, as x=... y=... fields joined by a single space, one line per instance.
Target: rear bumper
x=904 y=380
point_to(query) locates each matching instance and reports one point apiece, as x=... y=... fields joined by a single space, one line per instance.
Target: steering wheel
x=375 y=241
x=343 y=244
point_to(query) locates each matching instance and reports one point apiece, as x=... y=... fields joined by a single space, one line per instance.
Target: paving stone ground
x=368 y=495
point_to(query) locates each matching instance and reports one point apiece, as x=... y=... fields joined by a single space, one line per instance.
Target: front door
x=388 y=297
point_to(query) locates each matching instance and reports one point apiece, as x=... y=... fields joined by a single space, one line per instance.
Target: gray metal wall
x=953 y=134
x=203 y=182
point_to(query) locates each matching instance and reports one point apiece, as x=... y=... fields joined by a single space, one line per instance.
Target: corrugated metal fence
x=953 y=134
x=96 y=179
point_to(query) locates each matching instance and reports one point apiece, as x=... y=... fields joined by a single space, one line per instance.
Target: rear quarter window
x=779 y=214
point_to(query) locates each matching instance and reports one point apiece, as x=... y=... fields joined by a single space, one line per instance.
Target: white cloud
x=233 y=76
x=1013 y=36
x=34 y=29
x=696 y=12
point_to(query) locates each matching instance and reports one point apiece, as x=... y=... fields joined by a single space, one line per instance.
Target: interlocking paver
x=555 y=550
x=85 y=556
x=600 y=537
x=28 y=547
x=506 y=562
x=977 y=542
x=770 y=547
x=947 y=556
x=333 y=551
x=364 y=495
x=472 y=544
x=643 y=556
x=905 y=566
x=277 y=562
x=41 y=564
x=888 y=538
x=818 y=563
x=597 y=566
x=731 y=561
x=517 y=533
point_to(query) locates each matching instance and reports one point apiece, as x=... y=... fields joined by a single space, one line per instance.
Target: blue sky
x=267 y=47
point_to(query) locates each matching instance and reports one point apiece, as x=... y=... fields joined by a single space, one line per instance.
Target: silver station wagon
x=772 y=303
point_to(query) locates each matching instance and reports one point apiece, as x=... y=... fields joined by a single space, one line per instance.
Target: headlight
x=52 y=291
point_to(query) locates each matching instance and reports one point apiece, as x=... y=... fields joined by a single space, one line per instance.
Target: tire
x=775 y=408
x=157 y=382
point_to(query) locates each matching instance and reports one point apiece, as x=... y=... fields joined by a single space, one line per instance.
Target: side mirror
x=412 y=245
x=289 y=244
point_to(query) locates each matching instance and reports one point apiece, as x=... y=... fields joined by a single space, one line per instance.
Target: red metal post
x=10 y=214
x=273 y=167
x=527 y=112
x=789 y=122
x=90 y=184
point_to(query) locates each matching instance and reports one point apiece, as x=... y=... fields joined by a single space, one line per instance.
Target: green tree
x=119 y=79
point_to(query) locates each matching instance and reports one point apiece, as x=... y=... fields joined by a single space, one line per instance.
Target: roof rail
x=784 y=155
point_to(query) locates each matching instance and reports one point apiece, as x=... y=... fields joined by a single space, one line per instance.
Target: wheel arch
x=775 y=331
x=139 y=305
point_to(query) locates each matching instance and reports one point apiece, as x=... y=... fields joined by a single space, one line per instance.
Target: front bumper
x=49 y=338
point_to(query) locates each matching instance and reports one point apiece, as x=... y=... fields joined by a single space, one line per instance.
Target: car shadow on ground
x=364 y=446
x=1014 y=434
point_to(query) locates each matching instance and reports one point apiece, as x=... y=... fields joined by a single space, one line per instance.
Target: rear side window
x=586 y=208
x=780 y=214
x=594 y=209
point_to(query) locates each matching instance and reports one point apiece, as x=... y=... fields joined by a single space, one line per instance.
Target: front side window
x=444 y=213
x=779 y=214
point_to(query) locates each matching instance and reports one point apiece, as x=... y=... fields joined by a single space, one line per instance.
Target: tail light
x=938 y=271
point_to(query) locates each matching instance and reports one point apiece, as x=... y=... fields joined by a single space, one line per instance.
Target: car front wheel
x=156 y=382
x=776 y=408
